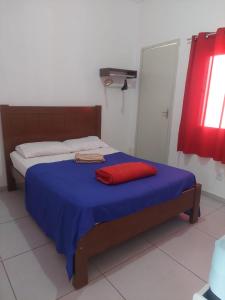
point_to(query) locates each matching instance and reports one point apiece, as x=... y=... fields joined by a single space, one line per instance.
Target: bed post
x=98 y=120
x=11 y=184
x=195 y=210
x=80 y=278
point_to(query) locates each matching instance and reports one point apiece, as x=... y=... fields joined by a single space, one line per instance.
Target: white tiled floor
x=20 y=236
x=171 y=261
x=154 y=275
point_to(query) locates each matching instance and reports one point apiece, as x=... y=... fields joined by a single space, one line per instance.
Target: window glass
x=215 y=94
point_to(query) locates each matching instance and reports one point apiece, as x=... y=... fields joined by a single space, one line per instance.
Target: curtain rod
x=207 y=35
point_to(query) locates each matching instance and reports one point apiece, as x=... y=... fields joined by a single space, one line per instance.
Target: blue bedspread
x=66 y=200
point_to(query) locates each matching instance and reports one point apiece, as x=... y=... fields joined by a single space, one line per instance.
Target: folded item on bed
x=89 y=158
x=125 y=172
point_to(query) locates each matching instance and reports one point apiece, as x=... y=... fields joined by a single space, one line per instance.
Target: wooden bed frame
x=28 y=124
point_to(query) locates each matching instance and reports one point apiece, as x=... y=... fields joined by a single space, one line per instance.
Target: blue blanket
x=66 y=200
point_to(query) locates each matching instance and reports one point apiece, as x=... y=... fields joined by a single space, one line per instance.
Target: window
x=214 y=104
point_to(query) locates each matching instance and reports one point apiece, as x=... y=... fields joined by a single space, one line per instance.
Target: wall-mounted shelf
x=122 y=78
x=113 y=72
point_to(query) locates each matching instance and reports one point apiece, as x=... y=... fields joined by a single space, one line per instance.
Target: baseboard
x=213 y=196
x=3 y=188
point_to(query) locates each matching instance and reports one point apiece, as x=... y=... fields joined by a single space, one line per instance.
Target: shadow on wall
x=220 y=171
x=210 y=173
x=205 y=161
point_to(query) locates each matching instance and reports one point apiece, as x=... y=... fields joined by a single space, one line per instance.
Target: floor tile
x=154 y=275
x=192 y=248
x=6 y=292
x=205 y=210
x=210 y=202
x=213 y=224
x=11 y=206
x=20 y=236
x=209 y=205
x=109 y=259
x=99 y=290
x=136 y=268
x=42 y=272
x=93 y=271
x=168 y=228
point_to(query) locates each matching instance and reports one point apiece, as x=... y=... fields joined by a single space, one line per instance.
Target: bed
x=31 y=124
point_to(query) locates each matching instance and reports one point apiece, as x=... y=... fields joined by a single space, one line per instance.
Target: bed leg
x=196 y=205
x=80 y=278
x=11 y=185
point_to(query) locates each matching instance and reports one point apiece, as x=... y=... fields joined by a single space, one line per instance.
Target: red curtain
x=193 y=137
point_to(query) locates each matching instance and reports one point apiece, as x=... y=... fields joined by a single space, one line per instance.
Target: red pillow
x=124 y=172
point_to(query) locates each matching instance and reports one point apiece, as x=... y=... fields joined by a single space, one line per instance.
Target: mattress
x=22 y=164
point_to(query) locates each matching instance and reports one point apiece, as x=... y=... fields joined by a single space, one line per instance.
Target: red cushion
x=124 y=172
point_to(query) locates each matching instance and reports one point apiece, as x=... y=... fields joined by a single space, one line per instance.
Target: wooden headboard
x=22 y=124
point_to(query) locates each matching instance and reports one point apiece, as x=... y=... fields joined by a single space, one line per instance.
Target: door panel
x=158 y=74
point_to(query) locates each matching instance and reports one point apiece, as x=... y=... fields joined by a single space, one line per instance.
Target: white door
x=158 y=75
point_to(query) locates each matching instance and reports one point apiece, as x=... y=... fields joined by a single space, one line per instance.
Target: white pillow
x=86 y=143
x=36 y=149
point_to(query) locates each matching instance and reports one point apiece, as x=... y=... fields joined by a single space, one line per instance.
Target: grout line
x=97 y=277
x=213 y=196
x=150 y=245
x=205 y=216
x=30 y=250
x=154 y=243
x=98 y=269
x=65 y=294
x=192 y=226
x=206 y=233
x=74 y=290
x=213 y=211
x=137 y=255
x=118 y=291
x=7 y=275
x=179 y=263
x=125 y=259
x=181 y=229
x=16 y=219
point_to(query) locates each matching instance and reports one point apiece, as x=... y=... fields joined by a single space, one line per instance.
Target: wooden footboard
x=106 y=235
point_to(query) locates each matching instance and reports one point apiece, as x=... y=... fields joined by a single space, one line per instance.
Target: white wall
x=166 y=20
x=51 y=52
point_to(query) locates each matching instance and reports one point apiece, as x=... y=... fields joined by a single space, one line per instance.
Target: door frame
x=175 y=41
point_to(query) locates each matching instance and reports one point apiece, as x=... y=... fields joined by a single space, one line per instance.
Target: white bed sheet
x=22 y=164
